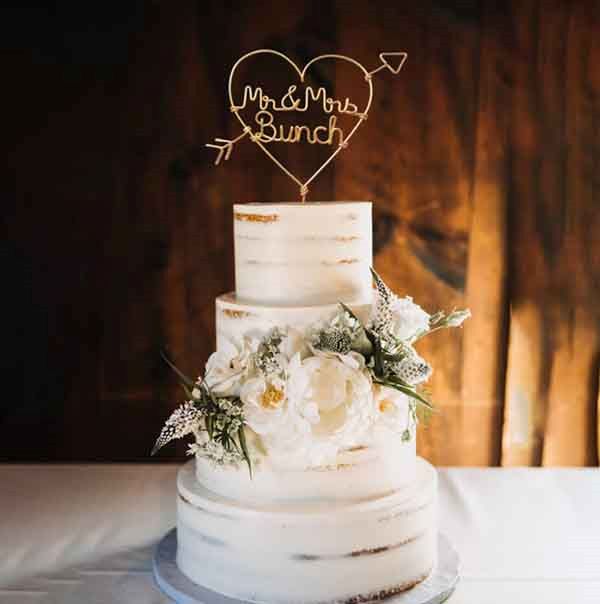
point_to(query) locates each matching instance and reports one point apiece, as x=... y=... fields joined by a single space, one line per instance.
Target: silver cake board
x=435 y=589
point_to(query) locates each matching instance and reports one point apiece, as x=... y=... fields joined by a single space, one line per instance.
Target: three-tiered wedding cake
x=306 y=486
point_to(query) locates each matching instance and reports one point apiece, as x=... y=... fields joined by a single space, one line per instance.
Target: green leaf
x=188 y=392
x=393 y=358
x=236 y=446
x=377 y=354
x=188 y=382
x=244 y=445
x=396 y=380
x=423 y=414
x=212 y=397
x=362 y=344
x=210 y=425
x=436 y=318
x=408 y=391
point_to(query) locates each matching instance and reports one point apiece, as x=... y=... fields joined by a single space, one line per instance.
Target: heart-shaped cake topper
x=264 y=130
x=387 y=58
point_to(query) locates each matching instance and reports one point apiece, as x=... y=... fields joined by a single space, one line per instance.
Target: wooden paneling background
x=481 y=158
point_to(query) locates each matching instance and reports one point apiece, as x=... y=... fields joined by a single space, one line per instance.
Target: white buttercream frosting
x=383 y=464
x=338 y=506
x=236 y=318
x=307 y=552
x=303 y=254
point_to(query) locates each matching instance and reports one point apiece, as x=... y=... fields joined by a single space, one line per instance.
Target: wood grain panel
x=481 y=159
x=553 y=352
x=423 y=188
x=485 y=338
x=570 y=435
x=525 y=405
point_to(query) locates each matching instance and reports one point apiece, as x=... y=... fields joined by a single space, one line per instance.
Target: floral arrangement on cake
x=309 y=395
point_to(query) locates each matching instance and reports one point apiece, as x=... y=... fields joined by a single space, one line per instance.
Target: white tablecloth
x=84 y=533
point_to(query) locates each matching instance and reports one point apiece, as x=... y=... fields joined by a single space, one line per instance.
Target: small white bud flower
x=457 y=317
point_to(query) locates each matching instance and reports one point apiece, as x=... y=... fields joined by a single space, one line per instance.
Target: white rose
x=408 y=319
x=332 y=403
x=391 y=407
x=227 y=367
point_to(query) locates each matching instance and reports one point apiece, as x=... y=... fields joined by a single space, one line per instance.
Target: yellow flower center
x=385 y=405
x=271 y=398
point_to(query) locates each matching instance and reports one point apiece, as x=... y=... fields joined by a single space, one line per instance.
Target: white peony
x=407 y=319
x=330 y=405
x=392 y=408
x=227 y=368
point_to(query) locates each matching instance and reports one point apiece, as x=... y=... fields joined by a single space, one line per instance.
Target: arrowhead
x=393 y=60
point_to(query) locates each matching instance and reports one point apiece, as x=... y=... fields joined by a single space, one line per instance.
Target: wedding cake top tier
x=303 y=254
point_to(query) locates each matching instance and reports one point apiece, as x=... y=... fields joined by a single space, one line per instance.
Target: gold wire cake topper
x=265 y=130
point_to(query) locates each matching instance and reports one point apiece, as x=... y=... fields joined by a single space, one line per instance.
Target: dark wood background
x=481 y=158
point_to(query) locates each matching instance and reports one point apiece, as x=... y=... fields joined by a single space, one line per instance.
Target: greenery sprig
x=381 y=363
x=219 y=417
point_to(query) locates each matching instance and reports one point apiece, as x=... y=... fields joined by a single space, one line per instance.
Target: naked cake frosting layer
x=303 y=254
x=345 y=512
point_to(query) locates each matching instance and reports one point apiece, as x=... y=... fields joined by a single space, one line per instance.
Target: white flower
x=330 y=404
x=194 y=448
x=392 y=408
x=217 y=454
x=227 y=368
x=398 y=317
x=354 y=360
x=265 y=403
x=407 y=319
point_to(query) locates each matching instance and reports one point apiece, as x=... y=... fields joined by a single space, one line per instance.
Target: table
x=84 y=533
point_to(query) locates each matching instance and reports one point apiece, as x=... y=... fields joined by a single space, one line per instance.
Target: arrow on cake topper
x=264 y=130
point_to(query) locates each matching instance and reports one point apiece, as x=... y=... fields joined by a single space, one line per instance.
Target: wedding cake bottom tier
x=308 y=552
